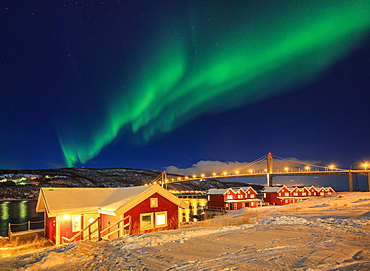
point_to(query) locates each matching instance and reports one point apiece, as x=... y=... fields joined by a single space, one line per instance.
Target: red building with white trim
x=138 y=209
x=233 y=198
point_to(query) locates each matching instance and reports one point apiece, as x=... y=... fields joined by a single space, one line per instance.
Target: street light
x=225 y=173
x=236 y=172
x=250 y=171
x=365 y=165
x=307 y=168
x=332 y=167
x=286 y=168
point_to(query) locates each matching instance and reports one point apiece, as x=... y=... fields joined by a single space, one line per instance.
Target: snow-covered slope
x=327 y=233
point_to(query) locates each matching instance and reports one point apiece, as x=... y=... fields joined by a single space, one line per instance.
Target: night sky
x=152 y=84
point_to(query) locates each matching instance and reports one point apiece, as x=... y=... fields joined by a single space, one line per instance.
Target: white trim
x=165 y=218
x=142 y=228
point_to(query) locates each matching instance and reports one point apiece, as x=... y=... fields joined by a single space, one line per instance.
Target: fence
x=27 y=226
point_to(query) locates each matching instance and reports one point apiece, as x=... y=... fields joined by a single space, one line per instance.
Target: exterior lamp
x=365 y=165
x=66 y=217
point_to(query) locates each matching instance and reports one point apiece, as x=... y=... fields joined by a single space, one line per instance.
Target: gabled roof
x=273 y=189
x=217 y=191
x=103 y=200
x=309 y=187
x=223 y=191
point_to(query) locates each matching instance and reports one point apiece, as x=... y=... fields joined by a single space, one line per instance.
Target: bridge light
x=332 y=167
x=265 y=170
x=214 y=173
x=237 y=172
x=251 y=171
x=202 y=175
x=286 y=169
x=194 y=176
x=225 y=173
x=155 y=183
x=365 y=165
x=307 y=168
x=186 y=177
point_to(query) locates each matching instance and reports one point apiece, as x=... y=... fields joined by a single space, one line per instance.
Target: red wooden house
x=232 y=198
x=277 y=195
x=71 y=213
x=329 y=191
x=321 y=191
x=312 y=191
x=304 y=192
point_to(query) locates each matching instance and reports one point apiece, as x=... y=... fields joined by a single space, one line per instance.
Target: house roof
x=271 y=189
x=222 y=191
x=104 y=200
x=217 y=191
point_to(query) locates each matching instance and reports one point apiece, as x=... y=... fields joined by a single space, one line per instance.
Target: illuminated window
x=161 y=219
x=240 y=196
x=287 y=194
x=153 y=202
x=146 y=221
x=253 y=196
x=229 y=196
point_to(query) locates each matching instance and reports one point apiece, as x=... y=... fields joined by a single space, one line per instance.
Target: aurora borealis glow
x=154 y=84
x=220 y=61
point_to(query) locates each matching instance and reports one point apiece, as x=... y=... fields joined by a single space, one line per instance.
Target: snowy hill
x=25 y=184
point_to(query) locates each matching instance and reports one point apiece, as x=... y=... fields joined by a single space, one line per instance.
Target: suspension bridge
x=269 y=167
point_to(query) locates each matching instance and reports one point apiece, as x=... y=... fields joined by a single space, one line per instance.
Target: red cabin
x=117 y=211
x=233 y=198
x=277 y=195
x=304 y=192
x=329 y=191
x=312 y=191
x=321 y=191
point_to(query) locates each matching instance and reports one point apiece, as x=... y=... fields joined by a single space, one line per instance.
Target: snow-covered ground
x=327 y=233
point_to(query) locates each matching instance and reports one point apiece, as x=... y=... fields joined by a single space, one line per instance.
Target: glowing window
x=146 y=221
x=161 y=219
x=153 y=202
x=229 y=196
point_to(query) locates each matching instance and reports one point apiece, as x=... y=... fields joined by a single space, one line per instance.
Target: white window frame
x=143 y=227
x=165 y=217
x=153 y=202
x=229 y=197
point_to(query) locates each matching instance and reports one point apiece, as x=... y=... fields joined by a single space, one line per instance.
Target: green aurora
x=213 y=64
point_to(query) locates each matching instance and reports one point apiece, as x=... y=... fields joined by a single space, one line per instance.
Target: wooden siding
x=144 y=207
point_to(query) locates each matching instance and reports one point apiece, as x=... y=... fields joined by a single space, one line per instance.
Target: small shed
x=140 y=209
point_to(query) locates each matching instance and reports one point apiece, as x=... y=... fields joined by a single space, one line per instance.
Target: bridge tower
x=269 y=169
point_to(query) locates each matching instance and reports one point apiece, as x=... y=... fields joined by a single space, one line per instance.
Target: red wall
x=144 y=207
x=66 y=228
x=216 y=201
x=50 y=227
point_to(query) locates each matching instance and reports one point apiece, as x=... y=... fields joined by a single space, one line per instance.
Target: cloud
x=208 y=166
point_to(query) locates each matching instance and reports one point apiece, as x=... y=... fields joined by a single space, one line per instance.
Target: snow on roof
x=217 y=191
x=63 y=200
x=270 y=189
